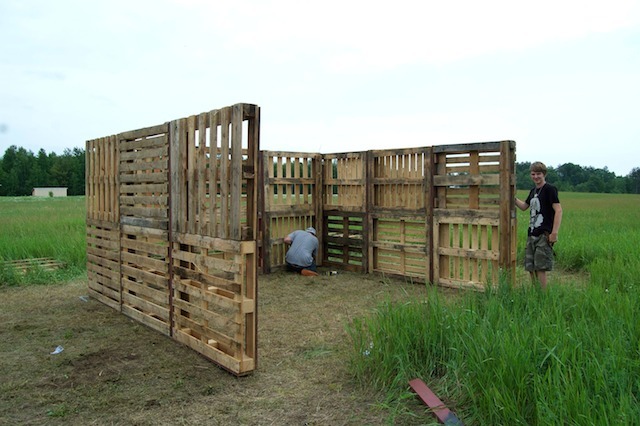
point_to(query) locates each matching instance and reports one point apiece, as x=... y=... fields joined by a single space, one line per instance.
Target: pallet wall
x=172 y=230
x=288 y=201
x=441 y=214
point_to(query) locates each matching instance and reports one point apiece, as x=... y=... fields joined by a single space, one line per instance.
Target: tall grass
x=33 y=227
x=517 y=355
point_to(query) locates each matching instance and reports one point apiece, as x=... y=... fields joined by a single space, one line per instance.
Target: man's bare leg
x=539 y=277
x=542 y=279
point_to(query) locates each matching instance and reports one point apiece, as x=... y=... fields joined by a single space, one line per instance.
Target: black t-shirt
x=540 y=202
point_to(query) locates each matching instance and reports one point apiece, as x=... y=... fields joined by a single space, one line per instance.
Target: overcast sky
x=561 y=78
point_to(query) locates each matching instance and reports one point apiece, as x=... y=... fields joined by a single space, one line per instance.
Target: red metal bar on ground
x=440 y=410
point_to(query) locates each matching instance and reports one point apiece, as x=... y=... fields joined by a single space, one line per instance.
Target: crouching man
x=301 y=256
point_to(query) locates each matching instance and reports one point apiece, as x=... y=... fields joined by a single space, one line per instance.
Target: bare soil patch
x=115 y=371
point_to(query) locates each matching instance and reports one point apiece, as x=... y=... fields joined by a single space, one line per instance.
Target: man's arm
x=557 y=221
x=288 y=240
x=521 y=205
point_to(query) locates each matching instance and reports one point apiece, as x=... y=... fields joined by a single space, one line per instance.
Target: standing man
x=544 y=224
x=301 y=256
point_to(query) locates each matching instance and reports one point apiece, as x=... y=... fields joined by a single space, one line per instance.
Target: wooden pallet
x=24 y=265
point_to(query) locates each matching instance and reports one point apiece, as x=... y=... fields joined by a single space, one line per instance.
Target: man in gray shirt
x=301 y=256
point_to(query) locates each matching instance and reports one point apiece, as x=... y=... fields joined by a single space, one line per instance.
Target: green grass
x=33 y=227
x=570 y=355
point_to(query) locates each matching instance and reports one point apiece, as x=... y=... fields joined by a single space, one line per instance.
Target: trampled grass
x=33 y=227
x=569 y=355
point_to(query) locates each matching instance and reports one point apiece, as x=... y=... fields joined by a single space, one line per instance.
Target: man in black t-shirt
x=544 y=224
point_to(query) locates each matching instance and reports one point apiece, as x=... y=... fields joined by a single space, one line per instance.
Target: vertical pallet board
x=144 y=222
x=214 y=224
x=469 y=214
x=397 y=205
x=102 y=226
x=290 y=198
x=508 y=214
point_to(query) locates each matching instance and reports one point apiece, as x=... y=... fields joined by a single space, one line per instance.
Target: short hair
x=537 y=166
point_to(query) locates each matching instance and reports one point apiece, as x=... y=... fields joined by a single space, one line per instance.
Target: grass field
x=337 y=350
x=570 y=355
x=37 y=227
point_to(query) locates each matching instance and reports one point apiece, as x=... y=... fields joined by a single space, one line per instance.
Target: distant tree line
x=570 y=177
x=22 y=170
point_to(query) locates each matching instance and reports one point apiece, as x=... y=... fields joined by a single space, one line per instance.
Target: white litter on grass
x=367 y=352
x=84 y=298
x=57 y=350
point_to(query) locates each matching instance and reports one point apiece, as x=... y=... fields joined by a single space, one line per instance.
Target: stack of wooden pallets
x=24 y=265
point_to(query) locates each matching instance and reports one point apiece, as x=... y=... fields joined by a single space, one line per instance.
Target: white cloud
x=354 y=35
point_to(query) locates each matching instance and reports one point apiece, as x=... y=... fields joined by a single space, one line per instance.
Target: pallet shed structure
x=182 y=216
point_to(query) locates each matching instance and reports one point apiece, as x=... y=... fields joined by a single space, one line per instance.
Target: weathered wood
x=236 y=172
x=466 y=180
x=144 y=132
x=171 y=192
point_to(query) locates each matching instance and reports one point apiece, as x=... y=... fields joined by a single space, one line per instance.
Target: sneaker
x=308 y=273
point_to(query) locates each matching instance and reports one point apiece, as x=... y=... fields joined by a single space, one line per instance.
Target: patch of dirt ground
x=118 y=372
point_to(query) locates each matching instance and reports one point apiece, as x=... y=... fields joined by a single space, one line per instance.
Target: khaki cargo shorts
x=538 y=254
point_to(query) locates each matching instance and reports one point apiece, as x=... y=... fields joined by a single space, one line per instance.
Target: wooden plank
x=156 y=164
x=150 y=321
x=461 y=284
x=507 y=208
x=201 y=165
x=158 y=201
x=150 y=295
x=146 y=232
x=145 y=188
x=429 y=206
x=142 y=222
x=145 y=212
x=103 y=257
x=236 y=172
x=213 y=337
x=466 y=147
x=142 y=261
x=221 y=322
x=191 y=175
x=175 y=175
x=152 y=247
x=213 y=173
x=156 y=278
x=466 y=180
x=106 y=300
x=468 y=253
x=101 y=243
x=206 y=262
x=231 y=364
x=144 y=132
x=143 y=178
x=211 y=243
x=110 y=271
x=158 y=310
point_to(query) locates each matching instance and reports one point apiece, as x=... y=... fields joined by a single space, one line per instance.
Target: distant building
x=49 y=192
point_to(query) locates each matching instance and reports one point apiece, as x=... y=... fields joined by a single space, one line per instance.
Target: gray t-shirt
x=304 y=246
